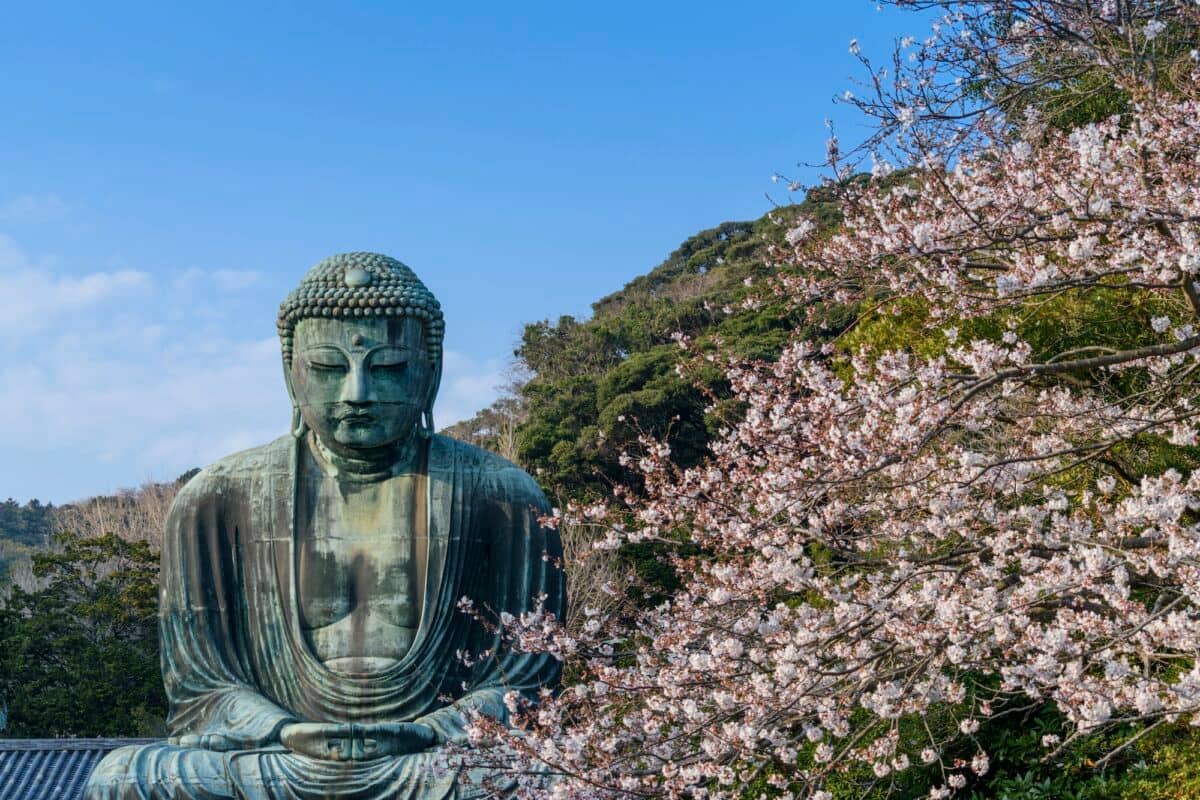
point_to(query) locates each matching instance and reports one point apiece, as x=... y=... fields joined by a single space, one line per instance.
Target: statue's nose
x=357 y=388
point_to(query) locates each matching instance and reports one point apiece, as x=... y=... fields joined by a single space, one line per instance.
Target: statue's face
x=361 y=384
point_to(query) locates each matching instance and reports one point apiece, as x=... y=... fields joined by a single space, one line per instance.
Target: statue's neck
x=367 y=466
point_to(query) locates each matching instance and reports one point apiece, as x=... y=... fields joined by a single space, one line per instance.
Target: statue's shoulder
x=495 y=475
x=237 y=468
x=270 y=457
x=226 y=483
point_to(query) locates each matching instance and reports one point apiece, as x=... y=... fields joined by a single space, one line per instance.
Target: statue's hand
x=396 y=738
x=336 y=742
x=316 y=739
x=212 y=741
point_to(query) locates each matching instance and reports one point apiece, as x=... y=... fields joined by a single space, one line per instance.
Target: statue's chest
x=358 y=563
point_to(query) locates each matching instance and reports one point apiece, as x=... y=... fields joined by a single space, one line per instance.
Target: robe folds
x=236 y=662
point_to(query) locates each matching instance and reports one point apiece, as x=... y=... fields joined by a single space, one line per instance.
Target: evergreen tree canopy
x=79 y=657
x=597 y=384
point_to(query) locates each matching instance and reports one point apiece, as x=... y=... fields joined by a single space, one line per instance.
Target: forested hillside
x=591 y=386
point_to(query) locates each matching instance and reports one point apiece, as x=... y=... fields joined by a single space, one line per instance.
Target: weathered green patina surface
x=311 y=636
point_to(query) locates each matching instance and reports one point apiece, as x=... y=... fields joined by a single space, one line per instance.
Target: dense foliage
x=29 y=524
x=596 y=385
x=23 y=529
x=79 y=655
x=78 y=618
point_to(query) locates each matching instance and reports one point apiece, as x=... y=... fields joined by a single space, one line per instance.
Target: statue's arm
x=213 y=703
x=450 y=722
x=526 y=571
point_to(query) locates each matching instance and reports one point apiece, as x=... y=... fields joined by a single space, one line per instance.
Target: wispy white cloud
x=12 y=257
x=227 y=280
x=32 y=208
x=468 y=385
x=235 y=280
x=31 y=298
x=110 y=378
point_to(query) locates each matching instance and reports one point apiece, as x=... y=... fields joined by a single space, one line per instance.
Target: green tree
x=29 y=524
x=79 y=656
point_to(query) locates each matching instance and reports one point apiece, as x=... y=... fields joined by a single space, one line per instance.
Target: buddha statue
x=313 y=643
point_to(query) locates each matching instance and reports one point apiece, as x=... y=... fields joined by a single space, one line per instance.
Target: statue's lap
x=167 y=772
x=161 y=771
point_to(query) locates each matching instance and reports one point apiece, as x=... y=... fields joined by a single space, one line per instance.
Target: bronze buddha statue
x=312 y=644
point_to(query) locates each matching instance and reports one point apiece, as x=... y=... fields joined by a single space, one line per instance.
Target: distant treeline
x=29 y=524
x=24 y=529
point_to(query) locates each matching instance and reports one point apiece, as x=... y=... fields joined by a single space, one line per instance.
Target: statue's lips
x=368 y=415
x=357 y=417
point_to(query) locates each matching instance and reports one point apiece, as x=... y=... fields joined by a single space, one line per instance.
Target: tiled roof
x=51 y=769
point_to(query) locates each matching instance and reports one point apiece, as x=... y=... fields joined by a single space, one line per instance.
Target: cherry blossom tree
x=981 y=495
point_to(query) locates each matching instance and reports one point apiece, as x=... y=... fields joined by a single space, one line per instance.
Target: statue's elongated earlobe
x=299 y=426
x=426 y=425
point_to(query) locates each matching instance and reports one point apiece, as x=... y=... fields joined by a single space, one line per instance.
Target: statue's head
x=362 y=352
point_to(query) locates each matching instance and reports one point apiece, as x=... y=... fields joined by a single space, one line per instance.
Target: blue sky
x=167 y=174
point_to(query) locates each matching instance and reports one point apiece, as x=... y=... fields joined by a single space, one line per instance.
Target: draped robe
x=236 y=662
